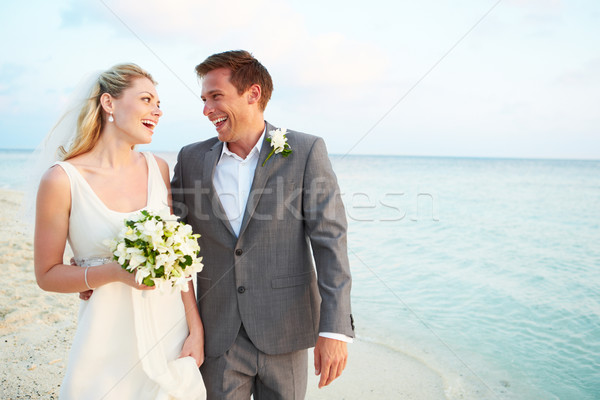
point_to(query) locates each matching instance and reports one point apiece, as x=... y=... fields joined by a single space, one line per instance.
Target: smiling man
x=273 y=236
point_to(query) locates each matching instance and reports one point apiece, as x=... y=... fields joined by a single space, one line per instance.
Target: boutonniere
x=279 y=144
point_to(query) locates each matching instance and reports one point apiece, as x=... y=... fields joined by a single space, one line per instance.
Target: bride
x=132 y=342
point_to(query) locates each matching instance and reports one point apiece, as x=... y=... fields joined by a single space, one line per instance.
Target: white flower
x=171 y=225
x=181 y=283
x=129 y=233
x=136 y=260
x=121 y=253
x=279 y=144
x=162 y=259
x=185 y=230
x=278 y=140
x=165 y=215
x=140 y=274
x=160 y=250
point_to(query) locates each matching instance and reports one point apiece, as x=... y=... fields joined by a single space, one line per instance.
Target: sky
x=474 y=78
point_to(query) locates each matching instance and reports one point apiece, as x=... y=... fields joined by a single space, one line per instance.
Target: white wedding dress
x=127 y=341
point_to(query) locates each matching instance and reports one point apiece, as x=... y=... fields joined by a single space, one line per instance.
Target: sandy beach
x=36 y=329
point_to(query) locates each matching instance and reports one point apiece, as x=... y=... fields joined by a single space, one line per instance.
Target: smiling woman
x=136 y=111
x=120 y=86
x=99 y=181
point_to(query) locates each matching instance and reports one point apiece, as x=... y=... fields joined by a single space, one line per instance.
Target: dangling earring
x=110 y=118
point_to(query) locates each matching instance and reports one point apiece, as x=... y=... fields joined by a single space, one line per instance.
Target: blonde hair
x=90 y=121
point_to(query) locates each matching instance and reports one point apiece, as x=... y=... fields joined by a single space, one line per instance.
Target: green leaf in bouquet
x=148 y=281
x=160 y=272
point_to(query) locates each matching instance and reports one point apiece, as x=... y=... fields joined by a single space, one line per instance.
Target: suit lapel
x=208 y=173
x=261 y=176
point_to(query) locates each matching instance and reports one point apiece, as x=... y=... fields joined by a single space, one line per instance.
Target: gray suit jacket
x=265 y=278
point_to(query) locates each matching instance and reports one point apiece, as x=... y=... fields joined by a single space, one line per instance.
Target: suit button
x=239 y=252
x=241 y=289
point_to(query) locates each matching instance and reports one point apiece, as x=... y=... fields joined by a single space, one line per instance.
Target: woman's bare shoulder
x=55 y=184
x=55 y=175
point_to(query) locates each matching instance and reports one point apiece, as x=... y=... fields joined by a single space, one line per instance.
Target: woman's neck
x=112 y=153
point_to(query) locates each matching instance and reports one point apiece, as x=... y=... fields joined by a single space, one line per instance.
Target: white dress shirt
x=233 y=180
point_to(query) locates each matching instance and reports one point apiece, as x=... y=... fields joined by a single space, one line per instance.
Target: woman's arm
x=51 y=228
x=194 y=344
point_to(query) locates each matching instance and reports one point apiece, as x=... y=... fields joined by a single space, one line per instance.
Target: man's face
x=224 y=107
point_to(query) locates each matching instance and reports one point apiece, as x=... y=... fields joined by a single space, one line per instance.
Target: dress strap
x=69 y=169
x=157 y=189
x=153 y=167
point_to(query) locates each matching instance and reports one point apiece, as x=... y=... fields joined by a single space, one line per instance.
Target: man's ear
x=106 y=100
x=254 y=93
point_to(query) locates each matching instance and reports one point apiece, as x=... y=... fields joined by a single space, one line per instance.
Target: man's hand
x=86 y=295
x=331 y=356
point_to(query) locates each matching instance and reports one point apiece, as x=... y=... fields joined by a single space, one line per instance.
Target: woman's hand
x=118 y=275
x=128 y=278
x=194 y=347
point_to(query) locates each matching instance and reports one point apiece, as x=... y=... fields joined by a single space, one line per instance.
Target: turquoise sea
x=486 y=270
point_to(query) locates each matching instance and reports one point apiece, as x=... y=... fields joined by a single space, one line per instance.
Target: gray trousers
x=244 y=371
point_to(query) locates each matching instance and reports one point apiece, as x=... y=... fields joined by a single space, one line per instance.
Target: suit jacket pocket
x=292 y=280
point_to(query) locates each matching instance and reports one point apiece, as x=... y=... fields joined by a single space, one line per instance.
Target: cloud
x=271 y=29
x=10 y=85
x=200 y=22
x=587 y=75
x=526 y=71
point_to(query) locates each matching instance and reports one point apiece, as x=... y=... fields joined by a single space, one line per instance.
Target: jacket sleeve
x=326 y=226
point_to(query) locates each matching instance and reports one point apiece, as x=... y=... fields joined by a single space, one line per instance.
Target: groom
x=261 y=302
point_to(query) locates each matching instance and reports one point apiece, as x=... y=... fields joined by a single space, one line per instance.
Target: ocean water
x=486 y=270
x=12 y=168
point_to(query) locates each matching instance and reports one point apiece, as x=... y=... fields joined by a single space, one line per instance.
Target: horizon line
x=496 y=157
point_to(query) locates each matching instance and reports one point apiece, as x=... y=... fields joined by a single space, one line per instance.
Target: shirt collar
x=255 y=150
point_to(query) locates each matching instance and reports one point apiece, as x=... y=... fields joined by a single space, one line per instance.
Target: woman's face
x=136 y=111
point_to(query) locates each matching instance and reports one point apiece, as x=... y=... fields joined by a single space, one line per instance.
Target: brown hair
x=90 y=122
x=245 y=72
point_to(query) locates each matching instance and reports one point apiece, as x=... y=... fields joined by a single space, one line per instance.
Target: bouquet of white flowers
x=159 y=249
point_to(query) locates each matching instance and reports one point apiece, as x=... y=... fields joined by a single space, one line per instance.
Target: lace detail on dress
x=92 y=261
